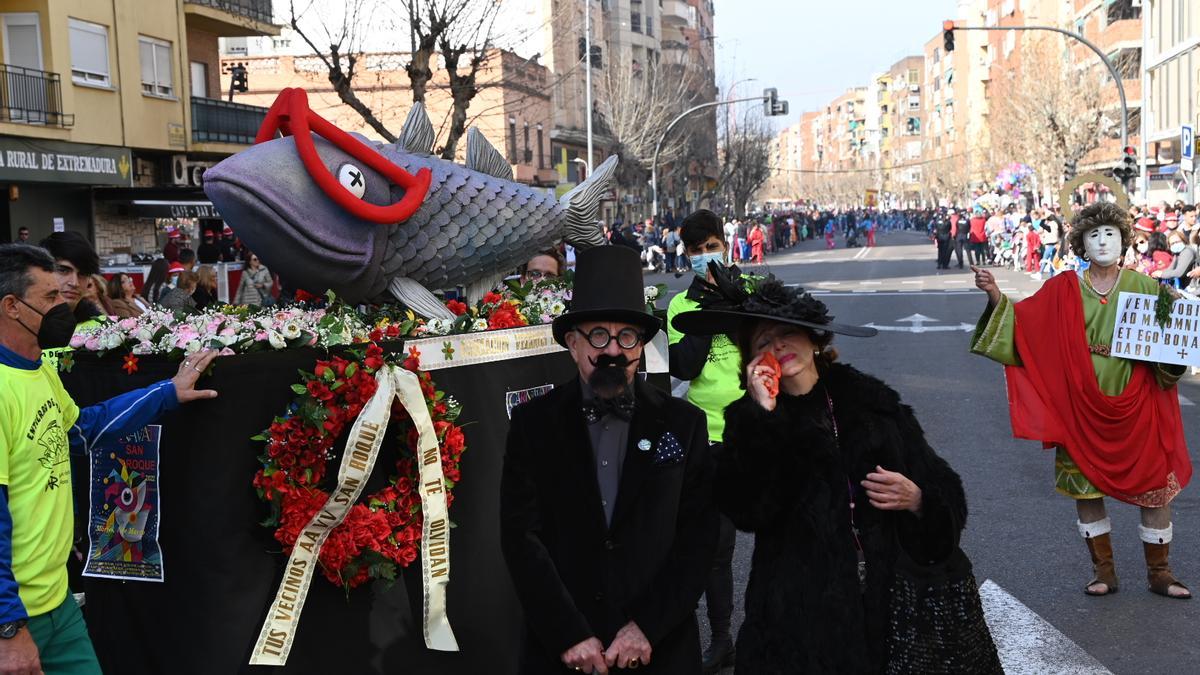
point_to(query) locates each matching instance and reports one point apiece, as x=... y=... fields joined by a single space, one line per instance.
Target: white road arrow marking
x=1027 y=643
x=1185 y=401
x=964 y=327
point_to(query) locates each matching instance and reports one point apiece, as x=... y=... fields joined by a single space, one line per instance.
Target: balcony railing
x=31 y=96
x=259 y=10
x=216 y=121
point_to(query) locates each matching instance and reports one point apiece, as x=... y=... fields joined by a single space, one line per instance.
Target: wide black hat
x=608 y=287
x=732 y=299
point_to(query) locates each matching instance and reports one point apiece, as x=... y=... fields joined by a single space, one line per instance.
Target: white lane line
x=865 y=290
x=1027 y=643
x=955 y=281
x=912 y=282
x=1185 y=401
x=829 y=283
x=870 y=283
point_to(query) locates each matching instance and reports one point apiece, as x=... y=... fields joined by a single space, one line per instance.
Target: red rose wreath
x=385 y=531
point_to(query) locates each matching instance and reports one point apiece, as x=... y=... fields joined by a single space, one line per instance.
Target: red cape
x=1130 y=446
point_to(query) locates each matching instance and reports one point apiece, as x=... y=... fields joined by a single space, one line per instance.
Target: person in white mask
x=1114 y=422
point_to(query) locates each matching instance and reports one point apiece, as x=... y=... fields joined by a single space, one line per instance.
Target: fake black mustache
x=609 y=361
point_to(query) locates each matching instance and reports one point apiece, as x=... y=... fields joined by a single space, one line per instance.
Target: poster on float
x=124 y=509
x=1138 y=334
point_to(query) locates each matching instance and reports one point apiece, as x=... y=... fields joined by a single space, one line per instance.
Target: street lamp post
x=1112 y=70
x=587 y=56
x=679 y=118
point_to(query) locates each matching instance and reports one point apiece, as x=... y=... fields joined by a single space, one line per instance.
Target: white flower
x=276 y=340
x=110 y=340
x=651 y=293
x=291 y=329
x=438 y=326
x=479 y=324
x=556 y=308
x=193 y=347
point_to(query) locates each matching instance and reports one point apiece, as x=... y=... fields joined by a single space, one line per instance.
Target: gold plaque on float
x=1066 y=204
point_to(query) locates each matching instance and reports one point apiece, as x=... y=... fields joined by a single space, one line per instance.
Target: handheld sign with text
x=1138 y=336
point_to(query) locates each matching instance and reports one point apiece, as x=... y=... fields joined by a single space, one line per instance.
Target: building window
x=156 y=66
x=1128 y=62
x=89 y=52
x=1122 y=10
x=528 y=151
x=649 y=26
x=540 y=151
x=635 y=21
x=199 y=78
x=512 y=140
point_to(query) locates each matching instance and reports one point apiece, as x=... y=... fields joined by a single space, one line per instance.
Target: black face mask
x=58 y=325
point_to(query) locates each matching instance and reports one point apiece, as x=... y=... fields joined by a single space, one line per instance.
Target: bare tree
x=745 y=159
x=344 y=34
x=461 y=30
x=1047 y=111
x=636 y=102
x=469 y=36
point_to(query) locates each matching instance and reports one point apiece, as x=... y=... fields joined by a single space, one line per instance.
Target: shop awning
x=159 y=202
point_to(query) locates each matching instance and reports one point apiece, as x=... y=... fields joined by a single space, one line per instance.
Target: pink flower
x=78 y=339
x=90 y=343
x=261 y=336
x=127 y=324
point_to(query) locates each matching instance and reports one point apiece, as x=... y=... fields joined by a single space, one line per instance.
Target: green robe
x=994 y=339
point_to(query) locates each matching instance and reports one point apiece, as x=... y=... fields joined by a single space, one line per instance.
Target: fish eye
x=352 y=178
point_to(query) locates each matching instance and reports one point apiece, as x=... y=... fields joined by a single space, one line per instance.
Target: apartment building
x=1172 y=77
x=901 y=145
x=1116 y=28
x=110 y=111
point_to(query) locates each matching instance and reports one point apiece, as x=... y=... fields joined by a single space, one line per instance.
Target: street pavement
x=1021 y=535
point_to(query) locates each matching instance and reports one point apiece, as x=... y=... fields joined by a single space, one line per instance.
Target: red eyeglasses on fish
x=290 y=115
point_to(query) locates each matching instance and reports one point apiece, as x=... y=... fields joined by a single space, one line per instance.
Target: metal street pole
x=658 y=146
x=1112 y=70
x=587 y=61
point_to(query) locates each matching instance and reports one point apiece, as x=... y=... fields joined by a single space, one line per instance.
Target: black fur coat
x=784 y=477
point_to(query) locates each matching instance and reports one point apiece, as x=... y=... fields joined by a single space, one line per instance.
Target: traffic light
x=237 y=79
x=772 y=106
x=1069 y=169
x=1128 y=168
x=948 y=36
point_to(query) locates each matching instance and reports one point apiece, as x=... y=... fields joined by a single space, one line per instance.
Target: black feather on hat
x=731 y=299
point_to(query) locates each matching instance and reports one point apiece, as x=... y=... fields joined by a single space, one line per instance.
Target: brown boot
x=1100 y=546
x=1158 y=571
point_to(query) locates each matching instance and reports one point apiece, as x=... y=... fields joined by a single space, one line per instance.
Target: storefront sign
x=1139 y=336
x=176 y=135
x=162 y=208
x=39 y=161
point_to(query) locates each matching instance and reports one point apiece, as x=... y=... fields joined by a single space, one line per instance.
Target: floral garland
x=384 y=532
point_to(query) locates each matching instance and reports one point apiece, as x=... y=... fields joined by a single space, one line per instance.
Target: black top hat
x=608 y=287
x=734 y=299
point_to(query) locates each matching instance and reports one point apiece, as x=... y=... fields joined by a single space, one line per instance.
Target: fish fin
x=417 y=135
x=583 y=203
x=483 y=285
x=485 y=158
x=418 y=298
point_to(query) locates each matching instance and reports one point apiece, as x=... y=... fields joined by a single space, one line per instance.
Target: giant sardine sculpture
x=329 y=210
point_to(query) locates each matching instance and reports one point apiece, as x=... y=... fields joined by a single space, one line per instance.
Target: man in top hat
x=607 y=520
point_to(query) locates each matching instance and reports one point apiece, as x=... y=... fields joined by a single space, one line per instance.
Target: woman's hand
x=891 y=491
x=986 y=282
x=757 y=378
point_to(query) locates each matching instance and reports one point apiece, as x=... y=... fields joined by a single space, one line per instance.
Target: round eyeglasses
x=598 y=337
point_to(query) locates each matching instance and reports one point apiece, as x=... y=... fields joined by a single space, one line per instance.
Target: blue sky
x=812 y=50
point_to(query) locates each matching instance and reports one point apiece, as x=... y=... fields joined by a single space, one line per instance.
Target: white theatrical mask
x=1103 y=245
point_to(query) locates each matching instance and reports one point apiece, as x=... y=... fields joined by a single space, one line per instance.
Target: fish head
x=270 y=198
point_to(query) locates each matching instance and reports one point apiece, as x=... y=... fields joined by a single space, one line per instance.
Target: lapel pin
x=644 y=445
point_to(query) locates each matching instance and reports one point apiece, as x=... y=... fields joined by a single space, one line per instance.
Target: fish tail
x=583 y=203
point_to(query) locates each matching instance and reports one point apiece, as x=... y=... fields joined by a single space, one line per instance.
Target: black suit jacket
x=578 y=577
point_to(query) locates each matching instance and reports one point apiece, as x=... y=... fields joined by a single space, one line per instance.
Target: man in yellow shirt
x=41 y=627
